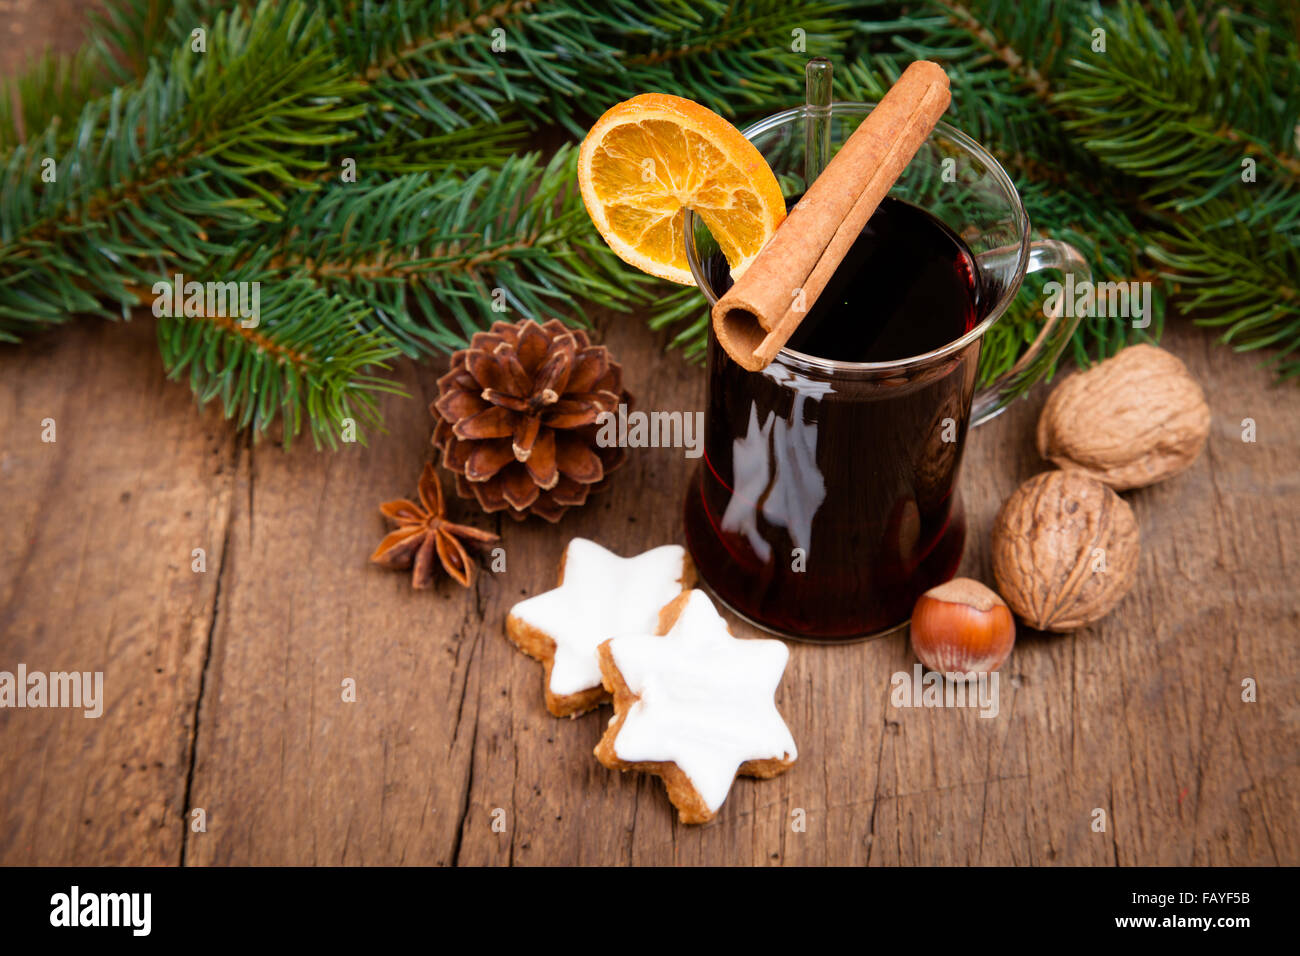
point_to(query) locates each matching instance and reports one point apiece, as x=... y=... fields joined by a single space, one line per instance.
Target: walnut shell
x=1130 y=421
x=1045 y=556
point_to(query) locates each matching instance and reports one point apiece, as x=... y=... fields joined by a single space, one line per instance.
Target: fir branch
x=457 y=64
x=438 y=259
x=684 y=312
x=51 y=86
x=1219 y=102
x=227 y=167
x=124 y=37
x=161 y=176
x=1007 y=65
x=1004 y=60
x=1240 y=279
x=442 y=66
x=408 y=150
x=739 y=59
x=170 y=173
x=1180 y=109
x=182 y=165
x=308 y=360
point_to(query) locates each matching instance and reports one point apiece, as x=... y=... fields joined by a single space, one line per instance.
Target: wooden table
x=223 y=688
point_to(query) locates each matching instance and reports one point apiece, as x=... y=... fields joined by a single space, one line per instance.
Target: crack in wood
x=207 y=661
x=463 y=815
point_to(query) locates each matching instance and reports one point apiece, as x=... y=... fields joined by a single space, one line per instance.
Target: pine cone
x=517 y=418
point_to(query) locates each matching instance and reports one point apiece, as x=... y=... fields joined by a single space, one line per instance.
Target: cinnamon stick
x=757 y=316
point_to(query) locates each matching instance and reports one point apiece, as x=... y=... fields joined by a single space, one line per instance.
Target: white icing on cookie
x=602 y=596
x=706 y=699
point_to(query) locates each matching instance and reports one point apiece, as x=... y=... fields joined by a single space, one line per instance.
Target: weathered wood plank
x=95 y=575
x=1102 y=719
x=1140 y=716
x=287 y=769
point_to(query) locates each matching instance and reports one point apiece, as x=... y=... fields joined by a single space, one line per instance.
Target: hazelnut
x=1065 y=550
x=962 y=627
x=1130 y=421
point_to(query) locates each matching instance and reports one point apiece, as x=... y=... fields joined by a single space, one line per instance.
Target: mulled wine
x=824 y=505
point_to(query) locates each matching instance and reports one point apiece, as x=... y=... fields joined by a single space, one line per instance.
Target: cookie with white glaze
x=695 y=705
x=600 y=595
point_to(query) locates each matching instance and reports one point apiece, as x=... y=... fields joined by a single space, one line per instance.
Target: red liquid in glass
x=824 y=504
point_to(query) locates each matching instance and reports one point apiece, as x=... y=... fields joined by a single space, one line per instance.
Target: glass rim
x=808 y=362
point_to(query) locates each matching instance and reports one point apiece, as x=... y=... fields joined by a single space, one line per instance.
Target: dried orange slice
x=653 y=156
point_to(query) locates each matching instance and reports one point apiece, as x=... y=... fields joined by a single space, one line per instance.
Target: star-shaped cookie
x=695 y=705
x=600 y=596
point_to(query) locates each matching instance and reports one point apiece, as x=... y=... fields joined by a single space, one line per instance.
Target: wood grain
x=225 y=687
x=1140 y=715
x=100 y=526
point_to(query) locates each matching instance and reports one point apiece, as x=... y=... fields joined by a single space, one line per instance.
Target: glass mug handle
x=1052 y=338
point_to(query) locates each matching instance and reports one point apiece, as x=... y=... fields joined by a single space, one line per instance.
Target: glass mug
x=825 y=502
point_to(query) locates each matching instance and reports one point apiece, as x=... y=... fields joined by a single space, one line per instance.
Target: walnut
x=1065 y=550
x=1132 y=420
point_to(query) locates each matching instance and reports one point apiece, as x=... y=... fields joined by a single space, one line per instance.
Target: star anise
x=423 y=530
